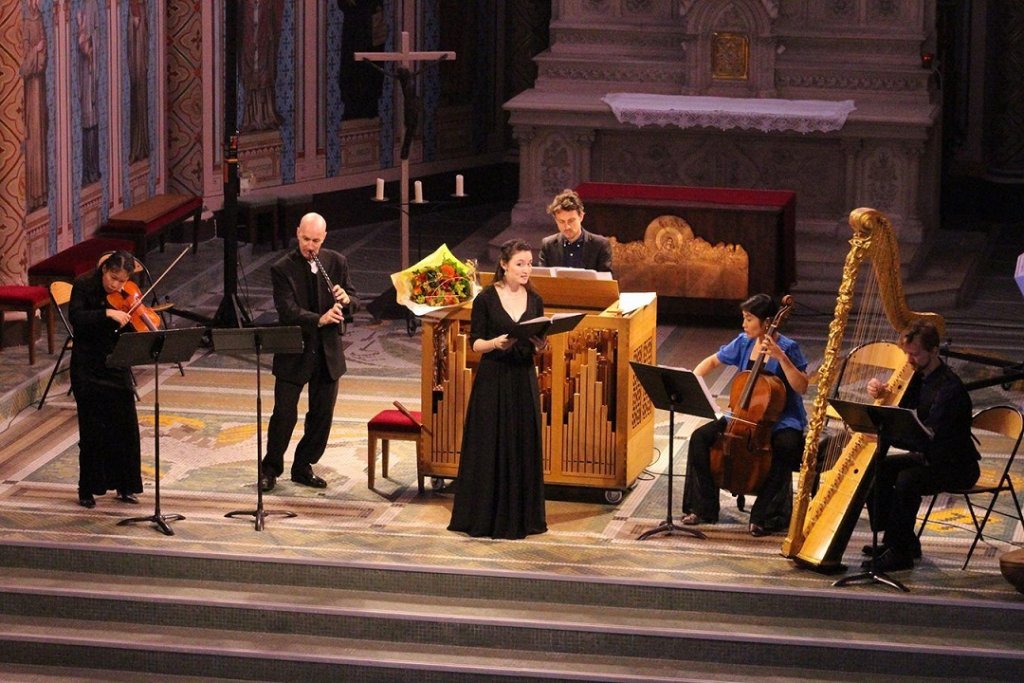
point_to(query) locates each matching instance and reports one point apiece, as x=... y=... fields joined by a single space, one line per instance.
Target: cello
x=742 y=454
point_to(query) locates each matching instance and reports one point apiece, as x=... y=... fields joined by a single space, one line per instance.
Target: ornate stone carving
x=608 y=73
x=770 y=6
x=605 y=39
x=638 y=6
x=842 y=8
x=556 y=170
x=882 y=180
x=885 y=8
x=826 y=81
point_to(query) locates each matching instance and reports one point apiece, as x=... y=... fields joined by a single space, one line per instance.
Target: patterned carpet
x=208 y=454
x=208 y=447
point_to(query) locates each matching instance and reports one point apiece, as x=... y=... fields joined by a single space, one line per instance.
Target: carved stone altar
x=885 y=155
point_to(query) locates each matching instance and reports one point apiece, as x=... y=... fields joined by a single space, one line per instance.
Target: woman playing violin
x=786 y=361
x=109 y=455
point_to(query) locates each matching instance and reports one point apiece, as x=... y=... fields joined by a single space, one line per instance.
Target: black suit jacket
x=291 y=298
x=597 y=252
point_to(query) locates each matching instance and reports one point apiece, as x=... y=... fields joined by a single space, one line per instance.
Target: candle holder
x=404 y=208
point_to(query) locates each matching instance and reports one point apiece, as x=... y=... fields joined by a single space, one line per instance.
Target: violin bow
x=142 y=298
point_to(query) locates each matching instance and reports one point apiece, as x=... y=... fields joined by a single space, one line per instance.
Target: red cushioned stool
x=388 y=425
x=28 y=300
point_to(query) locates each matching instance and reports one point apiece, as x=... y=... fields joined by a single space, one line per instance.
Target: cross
x=408 y=115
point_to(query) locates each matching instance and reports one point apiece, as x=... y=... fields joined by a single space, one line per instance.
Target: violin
x=129 y=300
x=742 y=454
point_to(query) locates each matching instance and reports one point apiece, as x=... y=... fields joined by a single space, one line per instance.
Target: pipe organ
x=597 y=422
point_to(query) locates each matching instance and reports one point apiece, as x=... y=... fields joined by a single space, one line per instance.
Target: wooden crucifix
x=409 y=113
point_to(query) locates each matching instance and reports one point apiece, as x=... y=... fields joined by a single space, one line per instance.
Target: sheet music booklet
x=545 y=326
x=904 y=429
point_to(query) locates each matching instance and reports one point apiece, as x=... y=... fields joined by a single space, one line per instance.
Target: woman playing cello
x=108 y=426
x=786 y=361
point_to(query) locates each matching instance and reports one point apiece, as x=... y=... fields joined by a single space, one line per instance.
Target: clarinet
x=330 y=287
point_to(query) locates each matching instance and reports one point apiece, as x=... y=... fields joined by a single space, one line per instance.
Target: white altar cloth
x=767 y=115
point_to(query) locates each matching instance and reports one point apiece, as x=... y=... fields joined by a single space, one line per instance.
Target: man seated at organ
x=572 y=246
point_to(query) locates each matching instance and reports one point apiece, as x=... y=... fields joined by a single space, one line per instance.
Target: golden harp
x=832 y=488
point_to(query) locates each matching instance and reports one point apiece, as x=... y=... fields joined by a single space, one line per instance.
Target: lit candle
x=380 y=190
x=458 y=186
x=417 y=191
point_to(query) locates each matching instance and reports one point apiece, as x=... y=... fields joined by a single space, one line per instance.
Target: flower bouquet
x=436 y=282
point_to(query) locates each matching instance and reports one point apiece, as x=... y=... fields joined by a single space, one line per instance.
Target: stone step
x=240 y=618
x=218 y=655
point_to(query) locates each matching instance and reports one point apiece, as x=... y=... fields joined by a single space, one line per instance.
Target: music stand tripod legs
x=171 y=346
x=871 y=575
x=259 y=339
x=668 y=526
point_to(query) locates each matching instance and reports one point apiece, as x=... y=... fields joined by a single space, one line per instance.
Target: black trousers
x=903 y=478
x=773 y=505
x=323 y=394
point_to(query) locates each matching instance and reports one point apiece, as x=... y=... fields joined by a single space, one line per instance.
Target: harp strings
x=869 y=324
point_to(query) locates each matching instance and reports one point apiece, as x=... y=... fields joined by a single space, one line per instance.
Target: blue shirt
x=737 y=354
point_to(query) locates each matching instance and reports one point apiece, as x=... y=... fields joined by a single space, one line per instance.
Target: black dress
x=500 y=490
x=109 y=455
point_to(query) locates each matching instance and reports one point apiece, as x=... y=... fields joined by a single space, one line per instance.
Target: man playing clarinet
x=312 y=289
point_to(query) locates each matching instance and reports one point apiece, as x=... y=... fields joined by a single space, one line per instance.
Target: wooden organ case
x=597 y=422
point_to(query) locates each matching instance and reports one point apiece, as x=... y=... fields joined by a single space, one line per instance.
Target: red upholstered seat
x=395 y=420
x=390 y=425
x=75 y=260
x=29 y=295
x=28 y=300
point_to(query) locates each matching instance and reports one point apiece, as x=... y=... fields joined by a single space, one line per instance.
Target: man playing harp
x=948 y=462
x=833 y=486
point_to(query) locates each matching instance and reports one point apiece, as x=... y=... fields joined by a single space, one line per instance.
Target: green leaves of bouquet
x=447 y=284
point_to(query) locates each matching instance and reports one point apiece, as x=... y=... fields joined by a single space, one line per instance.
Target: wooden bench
x=68 y=264
x=152 y=218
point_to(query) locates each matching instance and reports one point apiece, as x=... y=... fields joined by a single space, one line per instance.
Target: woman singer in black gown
x=109 y=456
x=500 y=489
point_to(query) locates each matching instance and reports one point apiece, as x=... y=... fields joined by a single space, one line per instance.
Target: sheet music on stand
x=903 y=427
x=574 y=273
x=674 y=390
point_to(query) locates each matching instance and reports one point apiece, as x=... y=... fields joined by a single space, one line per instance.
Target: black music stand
x=258 y=340
x=893 y=426
x=673 y=389
x=139 y=348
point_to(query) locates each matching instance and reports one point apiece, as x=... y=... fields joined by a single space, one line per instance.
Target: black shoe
x=756 y=530
x=307 y=478
x=267 y=481
x=889 y=561
x=86 y=500
x=869 y=550
x=127 y=498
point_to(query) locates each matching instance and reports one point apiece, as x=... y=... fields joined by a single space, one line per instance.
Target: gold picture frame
x=730 y=56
